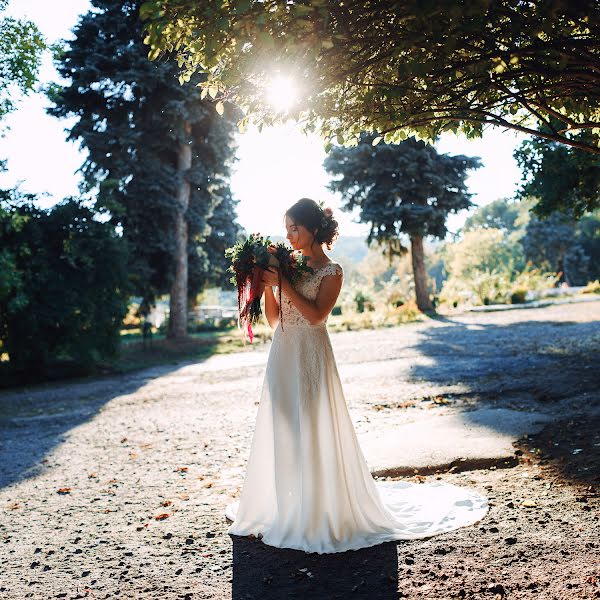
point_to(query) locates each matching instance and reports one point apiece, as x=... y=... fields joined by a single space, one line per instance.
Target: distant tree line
x=406 y=191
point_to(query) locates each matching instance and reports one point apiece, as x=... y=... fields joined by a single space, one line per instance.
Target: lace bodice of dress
x=308 y=286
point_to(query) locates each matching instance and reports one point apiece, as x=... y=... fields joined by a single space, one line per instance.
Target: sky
x=274 y=168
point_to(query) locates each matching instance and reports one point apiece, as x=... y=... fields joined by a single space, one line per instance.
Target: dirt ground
x=116 y=487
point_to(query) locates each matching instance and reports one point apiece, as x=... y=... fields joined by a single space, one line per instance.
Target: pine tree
x=406 y=188
x=158 y=157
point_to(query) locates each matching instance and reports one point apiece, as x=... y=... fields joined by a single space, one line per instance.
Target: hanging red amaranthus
x=250 y=258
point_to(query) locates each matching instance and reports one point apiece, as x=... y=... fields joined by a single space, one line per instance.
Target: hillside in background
x=348 y=250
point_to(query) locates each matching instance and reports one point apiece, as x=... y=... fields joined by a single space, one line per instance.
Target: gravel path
x=116 y=487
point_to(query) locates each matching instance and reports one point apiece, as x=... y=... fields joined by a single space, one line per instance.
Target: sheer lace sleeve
x=332 y=269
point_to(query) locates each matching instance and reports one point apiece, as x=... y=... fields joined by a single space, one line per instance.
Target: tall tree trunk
x=419 y=273
x=562 y=266
x=178 y=299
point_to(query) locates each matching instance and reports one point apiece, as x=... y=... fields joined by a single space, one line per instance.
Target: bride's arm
x=315 y=311
x=271 y=307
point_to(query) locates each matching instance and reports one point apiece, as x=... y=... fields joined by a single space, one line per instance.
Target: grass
x=135 y=355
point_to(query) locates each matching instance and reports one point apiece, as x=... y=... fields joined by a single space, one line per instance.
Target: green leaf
x=220 y=107
x=148 y=10
x=376 y=141
x=154 y=53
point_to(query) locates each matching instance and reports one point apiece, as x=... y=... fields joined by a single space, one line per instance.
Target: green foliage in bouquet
x=245 y=254
x=254 y=250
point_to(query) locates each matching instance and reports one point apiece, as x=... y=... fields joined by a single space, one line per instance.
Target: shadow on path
x=263 y=572
x=572 y=447
x=529 y=365
x=34 y=420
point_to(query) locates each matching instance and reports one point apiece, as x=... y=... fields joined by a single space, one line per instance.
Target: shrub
x=593 y=287
x=478 y=287
x=363 y=302
x=132 y=319
x=490 y=287
x=533 y=279
x=409 y=311
x=68 y=298
x=518 y=296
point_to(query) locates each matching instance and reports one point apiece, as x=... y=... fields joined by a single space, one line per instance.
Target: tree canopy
x=407 y=188
x=396 y=68
x=504 y=214
x=562 y=179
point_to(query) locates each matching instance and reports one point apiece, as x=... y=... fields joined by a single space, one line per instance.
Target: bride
x=307 y=485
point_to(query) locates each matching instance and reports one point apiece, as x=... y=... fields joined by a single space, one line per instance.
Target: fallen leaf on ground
x=529 y=503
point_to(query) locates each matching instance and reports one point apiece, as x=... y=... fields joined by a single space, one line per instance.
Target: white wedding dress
x=307 y=485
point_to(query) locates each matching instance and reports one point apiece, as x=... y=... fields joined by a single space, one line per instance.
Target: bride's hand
x=271 y=277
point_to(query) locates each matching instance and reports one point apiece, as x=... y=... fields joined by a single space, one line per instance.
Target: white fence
x=202 y=313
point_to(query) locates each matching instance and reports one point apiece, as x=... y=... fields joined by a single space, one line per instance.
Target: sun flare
x=282 y=93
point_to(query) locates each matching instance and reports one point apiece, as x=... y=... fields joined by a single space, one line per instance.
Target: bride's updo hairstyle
x=308 y=213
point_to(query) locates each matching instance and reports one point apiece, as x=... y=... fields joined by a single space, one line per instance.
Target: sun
x=282 y=93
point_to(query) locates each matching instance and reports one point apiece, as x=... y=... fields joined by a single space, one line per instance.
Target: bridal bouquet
x=249 y=260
